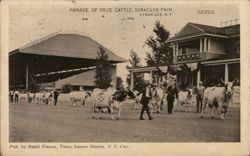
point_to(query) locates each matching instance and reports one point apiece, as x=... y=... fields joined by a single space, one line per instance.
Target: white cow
x=161 y=96
x=78 y=97
x=22 y=97
x=31 y=96
x=101 y=100
x=39 y=97
x=218 y=97
x=153 y=102
x=112 y=101
x=157 y=98
x=48 y=98
x=185 y=100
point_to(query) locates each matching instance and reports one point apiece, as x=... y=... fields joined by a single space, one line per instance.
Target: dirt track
x=65 y=123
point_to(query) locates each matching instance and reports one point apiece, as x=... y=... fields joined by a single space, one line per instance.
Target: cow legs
x=212 y=112
x=161 y=105
x=119 y=113
x=158 y=107
x=112 y=112
x=223 y=112
x=134 y=104
x=82 y=103
x=93 y=111
x=203 y=107
x=222 y=116
x=151 y=107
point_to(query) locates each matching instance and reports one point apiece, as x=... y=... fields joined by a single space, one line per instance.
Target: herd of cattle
x=106 y=100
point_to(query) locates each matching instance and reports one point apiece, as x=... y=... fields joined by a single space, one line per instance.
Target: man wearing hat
x=199 y=97
x=146 y=95
x=172 y=94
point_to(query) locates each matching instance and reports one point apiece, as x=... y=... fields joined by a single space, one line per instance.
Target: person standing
x=29 y=97
x=199 y=97
x=56 y=94
x=11 y=96
x=146 y=95
x=172 y=94
x=16 y=96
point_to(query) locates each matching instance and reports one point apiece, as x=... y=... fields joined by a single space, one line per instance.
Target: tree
x=103 y=69
x=119 y=83
x=33 y=86
x=161 y=53
x=138 y=77
x=67 y=88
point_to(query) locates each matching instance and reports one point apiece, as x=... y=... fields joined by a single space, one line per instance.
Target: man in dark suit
x=56 y=94
x=172 y=94
x=146 y=95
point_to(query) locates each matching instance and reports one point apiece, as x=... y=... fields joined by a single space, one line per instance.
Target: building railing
x=189 y=56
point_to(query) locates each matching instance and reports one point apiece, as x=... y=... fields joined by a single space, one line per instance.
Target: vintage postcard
x=125 y=78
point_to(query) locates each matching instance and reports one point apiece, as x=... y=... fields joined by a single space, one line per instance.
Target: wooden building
x=210 y=53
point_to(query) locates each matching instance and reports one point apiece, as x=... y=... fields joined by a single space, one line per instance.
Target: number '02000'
x=205 y=11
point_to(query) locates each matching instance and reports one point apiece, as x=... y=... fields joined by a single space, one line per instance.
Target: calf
x=78 y=97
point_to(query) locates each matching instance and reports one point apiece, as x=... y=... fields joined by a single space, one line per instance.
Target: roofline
x=13 y=52
x=229 y=61
x=199 y=35
x=189 y=23
x=145 y=68
x=215 y=62
x=205 y=33
x=60 y=33
x=37 y=41
x=192 y=24
x=124 y=60
x=17 y=51
x=205 y=25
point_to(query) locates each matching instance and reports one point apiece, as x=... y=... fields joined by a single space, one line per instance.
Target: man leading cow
x=146 y=95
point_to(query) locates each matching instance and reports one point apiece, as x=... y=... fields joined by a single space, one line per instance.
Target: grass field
x=65 y=123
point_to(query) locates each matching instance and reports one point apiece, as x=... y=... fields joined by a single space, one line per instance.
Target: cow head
x=88 y=94
x=229 y=86
x=130 y=93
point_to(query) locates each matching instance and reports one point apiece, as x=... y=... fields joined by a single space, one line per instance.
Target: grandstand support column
x=27 y=76
x=226 y=72
x=198 y=76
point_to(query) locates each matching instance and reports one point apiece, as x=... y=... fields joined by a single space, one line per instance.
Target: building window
x=234 y=72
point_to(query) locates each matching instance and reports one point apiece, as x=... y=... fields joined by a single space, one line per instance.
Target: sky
x=117 y=29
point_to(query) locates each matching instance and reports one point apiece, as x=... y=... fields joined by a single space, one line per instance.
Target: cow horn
x=222 y=81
